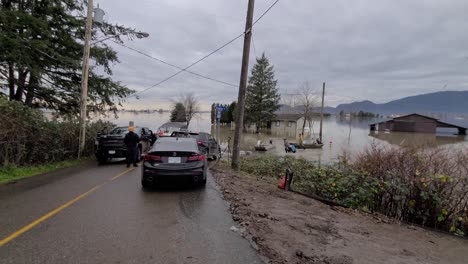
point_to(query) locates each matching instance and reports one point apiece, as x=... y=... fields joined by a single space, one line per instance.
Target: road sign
x=218 y=114
x=220 y=108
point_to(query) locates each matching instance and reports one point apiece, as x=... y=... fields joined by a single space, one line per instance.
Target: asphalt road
x=100 y=214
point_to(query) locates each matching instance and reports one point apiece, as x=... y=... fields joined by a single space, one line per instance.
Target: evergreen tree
x=213 y=114
x=232 y=111
x=178 y=113
x=41 y=45
x=262 y=97
x=225 y=115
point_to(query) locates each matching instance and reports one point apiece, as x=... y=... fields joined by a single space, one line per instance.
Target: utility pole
x=218 y=119
x=84 y=78
x=242 y=86
x=321 y=112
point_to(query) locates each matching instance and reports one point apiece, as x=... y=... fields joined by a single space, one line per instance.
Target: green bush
x=425 y=186
x=28 y=138
x=331 y=182
x=422 y=186
x=273 y=165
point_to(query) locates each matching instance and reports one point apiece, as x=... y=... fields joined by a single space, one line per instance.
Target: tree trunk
x=11 y=81
x=303 y=125
x=32 y=86
x=21 y=84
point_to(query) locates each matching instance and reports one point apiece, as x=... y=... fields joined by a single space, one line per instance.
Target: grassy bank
x=12 y=173
x=423 y=186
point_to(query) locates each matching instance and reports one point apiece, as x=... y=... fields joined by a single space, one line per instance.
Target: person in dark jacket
x=286 y=145
x=131 y=141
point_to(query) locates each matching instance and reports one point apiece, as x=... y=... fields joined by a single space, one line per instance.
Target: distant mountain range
x=438 y=102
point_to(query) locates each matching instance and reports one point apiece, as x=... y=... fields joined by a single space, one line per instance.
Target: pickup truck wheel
x=102 y=160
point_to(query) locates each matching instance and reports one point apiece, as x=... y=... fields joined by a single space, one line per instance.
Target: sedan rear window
x=175 y=144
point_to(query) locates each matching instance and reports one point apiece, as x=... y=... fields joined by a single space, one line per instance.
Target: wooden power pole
x=84 y=78
x=242 y=86
x=321 y=112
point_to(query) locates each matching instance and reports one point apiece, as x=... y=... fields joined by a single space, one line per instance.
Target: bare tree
x=307 y=101
x=191 y=106
x=288 y=100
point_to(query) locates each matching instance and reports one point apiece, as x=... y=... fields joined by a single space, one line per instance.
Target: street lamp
x=99 y=19
x=99 y=16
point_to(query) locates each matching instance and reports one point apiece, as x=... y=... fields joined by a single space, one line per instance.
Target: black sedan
x=206 y=143
x=174 y=159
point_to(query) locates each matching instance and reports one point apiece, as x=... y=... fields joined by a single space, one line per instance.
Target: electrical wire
x=173 y=65
x=191 y=65
x=264 y=13
x=209 y=54
x=253 y=45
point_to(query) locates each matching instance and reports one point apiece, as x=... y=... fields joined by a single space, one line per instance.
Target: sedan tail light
x=196 y=158
x=151 y=157
x=201 y=143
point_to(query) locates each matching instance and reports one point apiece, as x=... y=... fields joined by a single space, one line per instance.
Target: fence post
x=289 y=176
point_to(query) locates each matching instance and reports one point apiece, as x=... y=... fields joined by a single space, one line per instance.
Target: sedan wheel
x=139 y=155
x=205 y=175
x=146 y=185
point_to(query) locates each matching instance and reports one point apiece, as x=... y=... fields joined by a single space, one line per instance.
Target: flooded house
x=288 y=124
x=415 y=123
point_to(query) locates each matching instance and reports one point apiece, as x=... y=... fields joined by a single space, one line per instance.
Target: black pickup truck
x=111 y=145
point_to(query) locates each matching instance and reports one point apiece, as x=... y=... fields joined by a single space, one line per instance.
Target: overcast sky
x=363 y=49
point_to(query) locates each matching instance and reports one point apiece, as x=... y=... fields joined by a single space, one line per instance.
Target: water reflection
x=417 y=139
x=339 y=135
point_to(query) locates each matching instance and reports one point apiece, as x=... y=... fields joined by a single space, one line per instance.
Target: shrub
x=331 y=182
x=27 y=137
x=422 y=186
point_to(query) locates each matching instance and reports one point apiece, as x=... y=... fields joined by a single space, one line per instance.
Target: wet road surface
x=117 y=222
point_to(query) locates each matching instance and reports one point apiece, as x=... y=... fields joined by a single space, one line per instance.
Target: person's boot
x=135 y=165
x=128 y=165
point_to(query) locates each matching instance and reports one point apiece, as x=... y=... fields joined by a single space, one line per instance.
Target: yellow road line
x=60 y=208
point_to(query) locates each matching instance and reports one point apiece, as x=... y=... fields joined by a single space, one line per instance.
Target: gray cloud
x=363 y=49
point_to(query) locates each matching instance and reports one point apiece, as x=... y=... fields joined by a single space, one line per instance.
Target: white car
x=166 y=129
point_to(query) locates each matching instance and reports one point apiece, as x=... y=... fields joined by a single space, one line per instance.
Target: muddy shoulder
x=285 y=227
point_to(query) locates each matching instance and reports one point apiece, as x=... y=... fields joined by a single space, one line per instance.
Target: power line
x=173 y=65
x=253 y=45
x=264 y=13
x=211 y=53
x=191 y=65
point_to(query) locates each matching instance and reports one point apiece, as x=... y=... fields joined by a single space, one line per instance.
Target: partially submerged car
x=166 y=129
x=206 y=143
x=111 y=145
x=174 y=159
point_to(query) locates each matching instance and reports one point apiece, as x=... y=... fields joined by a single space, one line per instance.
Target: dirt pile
x=289 y=228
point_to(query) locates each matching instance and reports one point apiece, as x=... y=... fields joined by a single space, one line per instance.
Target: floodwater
x=339 y=135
